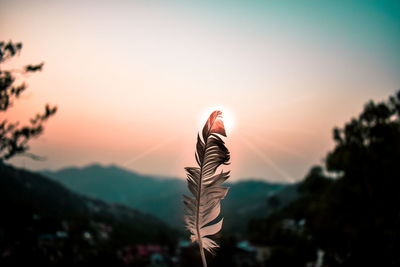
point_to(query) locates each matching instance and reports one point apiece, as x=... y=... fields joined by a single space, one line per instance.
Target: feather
x=205 y=185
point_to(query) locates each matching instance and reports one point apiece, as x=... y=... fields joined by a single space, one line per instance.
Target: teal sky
x=369 y=28
x=133 y=79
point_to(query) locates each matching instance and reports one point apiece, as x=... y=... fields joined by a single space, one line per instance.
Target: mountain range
x=162 y=196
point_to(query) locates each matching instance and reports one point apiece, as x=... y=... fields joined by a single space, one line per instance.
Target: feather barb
x=205 y=185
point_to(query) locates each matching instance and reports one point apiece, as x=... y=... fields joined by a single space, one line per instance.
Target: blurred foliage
x=353 y=214
x=14 y=138
x=43 y=223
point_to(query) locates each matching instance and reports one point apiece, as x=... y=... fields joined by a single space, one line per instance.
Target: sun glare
x=227 y=117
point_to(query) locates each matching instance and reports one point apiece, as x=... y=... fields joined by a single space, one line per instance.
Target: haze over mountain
x=162 y=197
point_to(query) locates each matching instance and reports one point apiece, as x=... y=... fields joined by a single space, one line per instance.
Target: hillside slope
x=162 y=197
x=45 y=223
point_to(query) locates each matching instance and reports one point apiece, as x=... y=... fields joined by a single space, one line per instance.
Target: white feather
x=204 y=207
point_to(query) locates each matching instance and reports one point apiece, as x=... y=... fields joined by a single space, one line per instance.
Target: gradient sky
x=132 y=79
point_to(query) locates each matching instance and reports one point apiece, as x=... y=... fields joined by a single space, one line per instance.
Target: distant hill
x=162 y=197
x=45 y=223
x=251 y=199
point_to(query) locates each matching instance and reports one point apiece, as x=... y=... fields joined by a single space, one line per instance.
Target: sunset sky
x=133 y=79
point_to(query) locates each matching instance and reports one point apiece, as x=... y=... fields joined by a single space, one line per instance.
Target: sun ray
x=150 y=150
x=279 y=147
x=266 y=159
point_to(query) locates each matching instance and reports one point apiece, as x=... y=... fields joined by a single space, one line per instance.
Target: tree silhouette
x=368 y=148
x=354 y=218
x=13 y=137
x=364 y=204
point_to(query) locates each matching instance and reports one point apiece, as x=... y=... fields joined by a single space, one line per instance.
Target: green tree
x=13 y=137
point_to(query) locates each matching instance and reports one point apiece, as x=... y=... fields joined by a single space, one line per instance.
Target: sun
x=227 y=117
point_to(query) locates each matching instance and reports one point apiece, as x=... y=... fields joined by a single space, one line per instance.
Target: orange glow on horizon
x=135 y=89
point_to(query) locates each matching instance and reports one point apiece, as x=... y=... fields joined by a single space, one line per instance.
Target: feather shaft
x=205 y=185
